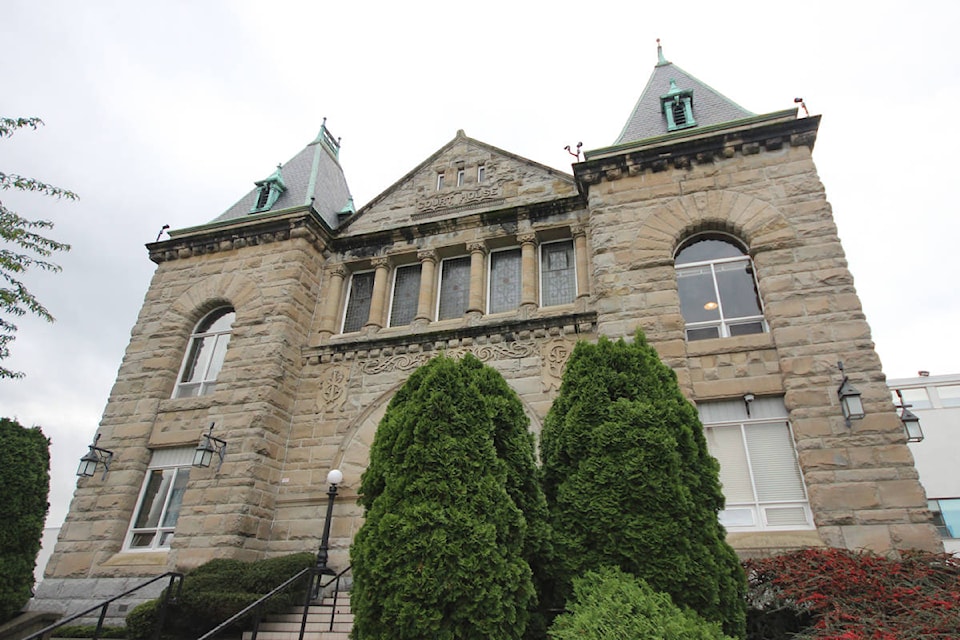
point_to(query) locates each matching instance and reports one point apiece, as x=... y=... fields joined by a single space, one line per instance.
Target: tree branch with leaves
x=24 y=246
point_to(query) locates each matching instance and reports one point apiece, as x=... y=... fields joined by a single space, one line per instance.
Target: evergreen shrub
x=609 y=604
x=441 y=552
x=24 y=486
x=629 y=482
x=218 y=589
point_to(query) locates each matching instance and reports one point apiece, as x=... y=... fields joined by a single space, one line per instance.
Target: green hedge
x=609 y=603
x=217 y=590
x=24 y=485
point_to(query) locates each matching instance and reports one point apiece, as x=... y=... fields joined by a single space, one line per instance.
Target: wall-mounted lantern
x=850 y=402
x=209 y=445
x=95 y=456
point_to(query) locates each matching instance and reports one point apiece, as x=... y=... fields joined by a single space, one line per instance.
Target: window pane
x=704 y=333
x=504 y=280
x=158 y=484
x=726 y=445
x=746 y=328
x=738 y=290
x=358 y=306
x=454 y=288
x=950 y=511
x=916 y=398
x=217 y=322
x=558 y=278
x=201 y=349
x=216 y=358
x=698 y=298
x=142 y=539
x=774 y=463
x=708 y=249
x=176 y=497
x=406 y=293
x=949 y=395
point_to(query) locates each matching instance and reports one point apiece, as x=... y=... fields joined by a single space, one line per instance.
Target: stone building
x=289 y=321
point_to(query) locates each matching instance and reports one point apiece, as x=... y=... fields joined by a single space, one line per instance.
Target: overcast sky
x=167 y=112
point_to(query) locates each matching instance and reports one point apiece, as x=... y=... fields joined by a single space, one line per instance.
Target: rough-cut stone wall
x=862 y=484
x=273 y=288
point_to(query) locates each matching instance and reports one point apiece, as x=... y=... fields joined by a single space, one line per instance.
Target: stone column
x=478 y=254
x=428 y=267
x=379 y=297
x=529 y=286
x=331 y=302
x=580 y=254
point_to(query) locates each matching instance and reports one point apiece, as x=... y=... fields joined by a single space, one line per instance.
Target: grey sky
x=167 y=112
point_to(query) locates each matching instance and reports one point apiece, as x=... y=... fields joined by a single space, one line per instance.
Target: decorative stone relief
x=553 y=359
x=483 y=352
x=333 y=389
x=458 y=199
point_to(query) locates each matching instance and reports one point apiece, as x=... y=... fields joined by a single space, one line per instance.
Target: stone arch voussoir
x=755 y=222
x=236 y=290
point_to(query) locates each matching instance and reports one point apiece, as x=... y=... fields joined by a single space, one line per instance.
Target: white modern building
x=936 y=401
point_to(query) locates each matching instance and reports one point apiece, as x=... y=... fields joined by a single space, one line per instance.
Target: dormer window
x=269 y=192
x=677 y=107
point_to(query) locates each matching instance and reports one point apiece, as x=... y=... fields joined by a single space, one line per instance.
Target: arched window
x=718 y=291
x=208 y=346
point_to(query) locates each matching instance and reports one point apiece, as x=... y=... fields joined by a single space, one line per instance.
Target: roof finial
x=660 y=59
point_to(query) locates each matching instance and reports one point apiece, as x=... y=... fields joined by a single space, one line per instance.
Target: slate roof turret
x=709 y=106
x=313 y=175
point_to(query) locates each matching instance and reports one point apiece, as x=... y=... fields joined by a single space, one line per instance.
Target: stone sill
x=156 y=558
x=734 y=344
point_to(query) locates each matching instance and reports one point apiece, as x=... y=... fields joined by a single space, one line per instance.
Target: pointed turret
x=313 y=176
x=674 y=100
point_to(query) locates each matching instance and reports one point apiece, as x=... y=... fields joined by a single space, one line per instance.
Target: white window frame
x=724 y=324
x=346 y=301
x=460 y=174
x=490 y=279
x=481 y=173
x=770 y=412
x=541 y=272
x=180 y=460
x=443 y=263
x=206 y=384
x=439 y=181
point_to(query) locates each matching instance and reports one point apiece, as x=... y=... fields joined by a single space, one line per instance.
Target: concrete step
x=286 y=626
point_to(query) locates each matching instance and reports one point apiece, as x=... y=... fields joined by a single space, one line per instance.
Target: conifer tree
x=440 y=554
x=629 y=482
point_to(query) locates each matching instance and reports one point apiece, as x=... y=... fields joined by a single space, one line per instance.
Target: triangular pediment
x=463 y=177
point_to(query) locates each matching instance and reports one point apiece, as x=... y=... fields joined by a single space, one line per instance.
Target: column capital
x=477 y=247
x=578 y=230
x=427 y=255
x=381 y=261
x=527 y=238
x=338 y=270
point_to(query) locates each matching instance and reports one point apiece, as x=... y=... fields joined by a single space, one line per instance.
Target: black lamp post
x=334 y=477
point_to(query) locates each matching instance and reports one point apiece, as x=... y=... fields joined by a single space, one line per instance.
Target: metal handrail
x=313 y=588
x=174 y=577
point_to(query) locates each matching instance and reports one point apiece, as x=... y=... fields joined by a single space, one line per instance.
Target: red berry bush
x=836 y=594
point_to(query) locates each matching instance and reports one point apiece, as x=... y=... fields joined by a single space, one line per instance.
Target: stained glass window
x=454 y=288
x=504 y=280
x=358 y=302
x=406 y=292
x=557 y=275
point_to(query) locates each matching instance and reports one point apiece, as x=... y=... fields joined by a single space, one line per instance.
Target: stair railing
x=314 y=588
x=170 y=595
